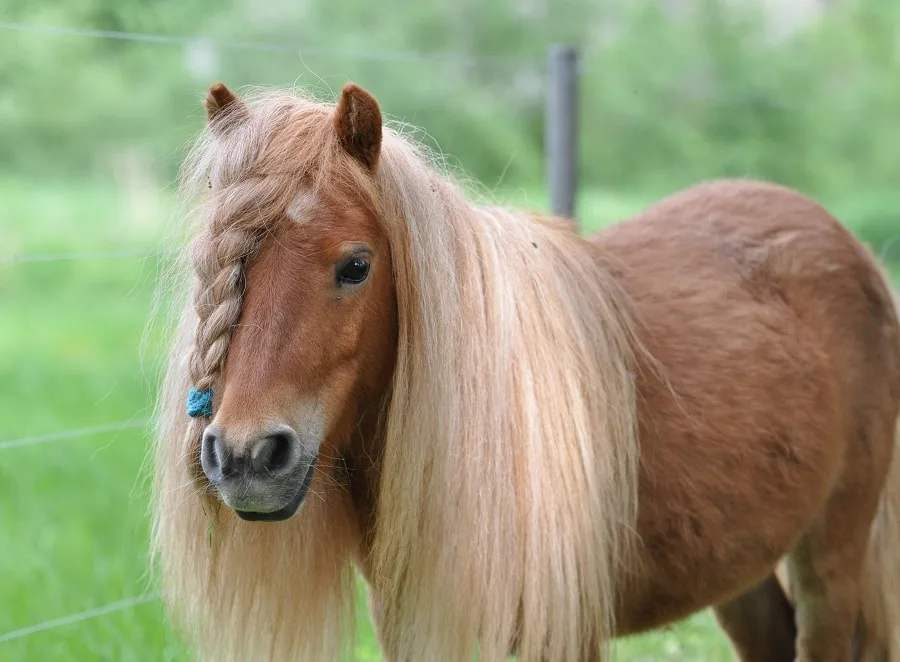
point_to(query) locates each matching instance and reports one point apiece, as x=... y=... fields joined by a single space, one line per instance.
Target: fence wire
x=24 y=258
x=363 y=54
x=88 y=614
x=76 y=433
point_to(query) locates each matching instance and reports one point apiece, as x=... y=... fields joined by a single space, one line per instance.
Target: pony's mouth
x=287 y=511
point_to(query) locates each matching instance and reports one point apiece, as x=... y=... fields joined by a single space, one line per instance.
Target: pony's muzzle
x=263 y=478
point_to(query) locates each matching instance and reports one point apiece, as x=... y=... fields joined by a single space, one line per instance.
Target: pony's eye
x=353 y=271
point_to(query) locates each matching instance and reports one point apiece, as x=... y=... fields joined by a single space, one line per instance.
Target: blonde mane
x=508 y=491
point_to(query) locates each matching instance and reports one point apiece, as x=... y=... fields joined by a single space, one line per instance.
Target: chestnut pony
x=526 y=441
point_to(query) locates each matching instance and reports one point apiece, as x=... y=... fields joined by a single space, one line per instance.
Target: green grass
x=73 y=528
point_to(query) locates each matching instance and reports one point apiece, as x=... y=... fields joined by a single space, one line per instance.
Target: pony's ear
x=357 y=120
x=223 y=108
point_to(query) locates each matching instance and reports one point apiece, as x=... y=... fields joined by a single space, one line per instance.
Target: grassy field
x=73 y=528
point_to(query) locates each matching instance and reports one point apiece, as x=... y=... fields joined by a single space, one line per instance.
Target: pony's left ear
x=223 y=108
x=357 y=120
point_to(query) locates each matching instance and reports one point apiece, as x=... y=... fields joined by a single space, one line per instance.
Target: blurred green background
x=94 y=126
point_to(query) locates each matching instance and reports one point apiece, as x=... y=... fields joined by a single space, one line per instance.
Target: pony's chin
x=288 y=511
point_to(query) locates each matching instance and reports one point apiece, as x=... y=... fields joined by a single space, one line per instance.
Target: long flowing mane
x=508 y=483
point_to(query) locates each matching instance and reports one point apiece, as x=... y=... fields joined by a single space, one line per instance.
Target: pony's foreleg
x=760 y=623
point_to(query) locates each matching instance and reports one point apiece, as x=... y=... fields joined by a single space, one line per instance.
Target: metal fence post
x=561 y=129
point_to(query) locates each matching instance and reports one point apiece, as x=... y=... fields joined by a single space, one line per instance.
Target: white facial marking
x=301 y=210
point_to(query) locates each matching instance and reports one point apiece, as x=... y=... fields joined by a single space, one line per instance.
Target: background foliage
x=92 y=131
x=673 y=91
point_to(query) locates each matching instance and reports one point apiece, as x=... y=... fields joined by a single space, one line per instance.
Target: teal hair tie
x=199 y=403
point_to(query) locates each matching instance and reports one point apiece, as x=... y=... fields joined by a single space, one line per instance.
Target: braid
x=218 y=261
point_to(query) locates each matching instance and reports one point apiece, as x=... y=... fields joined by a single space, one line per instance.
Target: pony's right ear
x=223 y=108
x=357 y=120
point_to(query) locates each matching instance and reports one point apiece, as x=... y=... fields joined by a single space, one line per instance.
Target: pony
x=526 y=441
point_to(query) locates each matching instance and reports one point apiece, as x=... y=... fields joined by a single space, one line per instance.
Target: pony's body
x=540 y=441
x=779 y=346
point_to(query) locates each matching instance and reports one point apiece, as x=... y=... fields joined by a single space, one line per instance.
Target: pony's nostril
x=216 y=460
x=210 y=455
x=273 y=453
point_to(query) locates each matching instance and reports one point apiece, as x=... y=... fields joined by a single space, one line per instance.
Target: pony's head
x=298 y=322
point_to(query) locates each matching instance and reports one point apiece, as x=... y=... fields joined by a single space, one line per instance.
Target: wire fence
x=24 y=258
x=76 y=433
x=95 y=612
x=79 y=617
x=363 y=54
